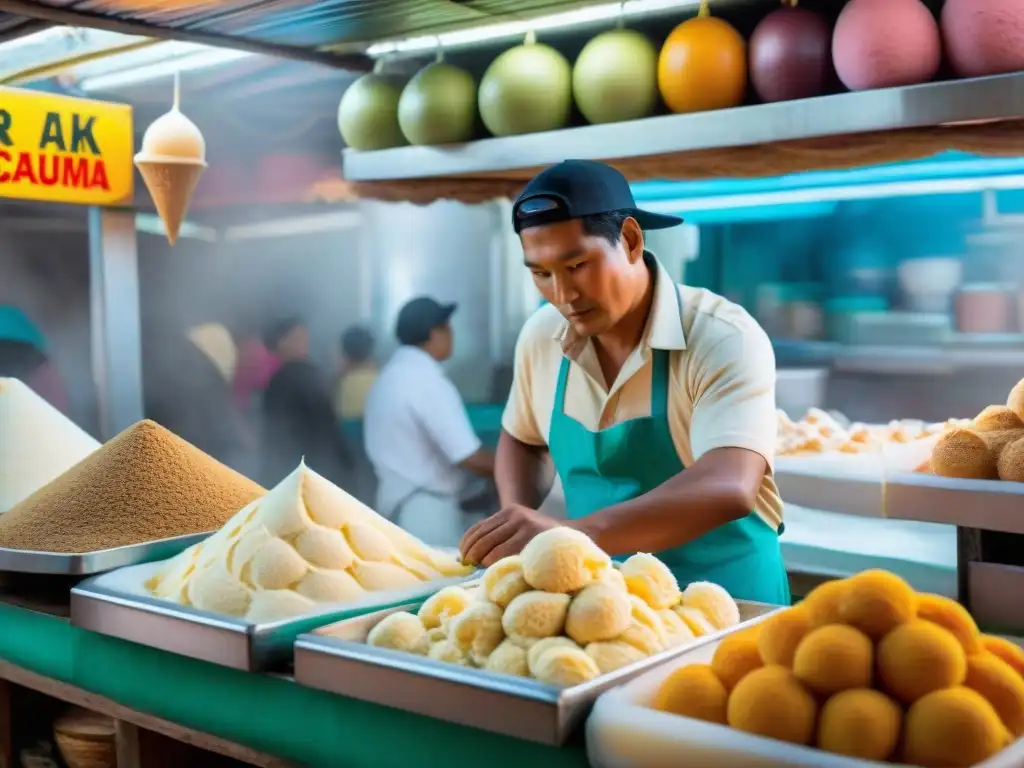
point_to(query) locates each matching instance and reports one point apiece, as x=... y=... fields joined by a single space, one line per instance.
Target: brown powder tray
x=100 y=561
x=116 y=604
x=336 y=659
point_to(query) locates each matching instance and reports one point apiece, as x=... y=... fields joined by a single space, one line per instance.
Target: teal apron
x=599 y=469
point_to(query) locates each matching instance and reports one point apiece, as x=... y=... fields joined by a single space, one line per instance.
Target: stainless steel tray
x=115 y=604
x=100 y=561
x=342 y=663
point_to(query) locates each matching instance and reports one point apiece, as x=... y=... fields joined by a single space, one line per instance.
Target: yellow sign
x=58 y=149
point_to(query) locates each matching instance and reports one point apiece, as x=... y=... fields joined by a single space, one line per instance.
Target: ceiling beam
x=352 y=61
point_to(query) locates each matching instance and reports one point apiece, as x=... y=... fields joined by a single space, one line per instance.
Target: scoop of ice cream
x=613 y=577
x=325 y=547
x=536 y=615
x=400 y=631
x=277 y=565
x=508 y=658
x=647 y=617
x=614 y=655
x=447 y=651
x=562 y=560
x=323 y=585
x=477 y=629
x=269 y=605
x=504 y=581
x=650 y=579
x=565 y=667
x=598 y=612
x=714 y=602
x=437 y=634
x=677 y=631
x=214 y=588
x=695 y=620
x=383 y=577
x=443 y=606
x=643 y=638
x=172 y=137
x=546 y=644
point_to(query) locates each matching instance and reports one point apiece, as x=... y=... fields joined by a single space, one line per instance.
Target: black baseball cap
x=419 y=317
x=577 y=188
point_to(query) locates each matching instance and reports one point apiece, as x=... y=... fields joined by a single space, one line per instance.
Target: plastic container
x=799 y=389
x=623 y=732
x=841 y=315
x=928 y=285
x=985 y=308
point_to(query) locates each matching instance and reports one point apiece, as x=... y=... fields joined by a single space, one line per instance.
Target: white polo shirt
x=721 y=379
x=416 y=429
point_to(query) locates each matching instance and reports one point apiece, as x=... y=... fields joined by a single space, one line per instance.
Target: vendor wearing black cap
x=656 y=400
x=418 y=434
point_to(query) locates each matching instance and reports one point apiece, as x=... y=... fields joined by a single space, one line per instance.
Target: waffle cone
x=171 y=186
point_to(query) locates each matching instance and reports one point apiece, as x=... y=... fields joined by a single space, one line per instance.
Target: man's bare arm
x=517 y=472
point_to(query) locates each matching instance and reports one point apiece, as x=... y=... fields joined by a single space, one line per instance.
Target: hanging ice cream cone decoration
x=172 y=158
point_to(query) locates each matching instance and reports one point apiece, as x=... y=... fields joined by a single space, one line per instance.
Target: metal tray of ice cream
x=117 y=604
x=342 y=663
x=100 y=561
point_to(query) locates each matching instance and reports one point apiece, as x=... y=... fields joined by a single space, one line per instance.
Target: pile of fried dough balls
x=561 y=612
x=867 y=668
x=990 y=448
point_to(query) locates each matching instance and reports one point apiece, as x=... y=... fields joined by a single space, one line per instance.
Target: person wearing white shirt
x=417 y=433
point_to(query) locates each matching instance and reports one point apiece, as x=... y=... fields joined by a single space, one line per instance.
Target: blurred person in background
x=256 y=366
x=418 y=434
x=23 y=356
x=357 y=373
x=187 y=388
x=298 y=419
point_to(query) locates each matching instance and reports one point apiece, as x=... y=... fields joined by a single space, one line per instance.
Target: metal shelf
x=946 y=103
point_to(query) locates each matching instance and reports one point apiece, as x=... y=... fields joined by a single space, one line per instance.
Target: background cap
x=419 y=317
x=577 y=188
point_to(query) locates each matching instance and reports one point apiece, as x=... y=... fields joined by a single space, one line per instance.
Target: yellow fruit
x=781 y=634
x=876 y=602
x=822 y=603
x=1001 y=686
x=1009 y=652
x=834 y=658
x=953 y=727
x=918 y=658
x=771 y=702
x=693 y=691
x=702 y=66
x=860 y=723
x=952 y=617
x=735 y=657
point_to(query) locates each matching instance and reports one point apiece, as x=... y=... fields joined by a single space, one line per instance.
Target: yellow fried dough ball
x=270 y=605
x=771 y=702
x=781 y=633
x=822 y=602
x=536 y=614
x=534 y=652
x=735 y=657
x=963 y=452
x=952 y=617
x=643 y=638
x=503 y=582
x=448 y=652
x=953 y=727
x=562 y=560
x=919 y=657
x=695 y=620
x=876 y=602
x=598 y=612
x=1015 y=400
x=400 y=631
x=1009 y=652
x=651 y=580
x=610 y=656
x=1010 y=467
x=860 y=722
x=996 y=418
x=382 y=577
x=1001 y=686
x=565 y=667
x=326 y=585
x=437 y=634
x=477 y=630
x=324 y=547
x=693 y=691
x=613 y=577
x=509 y=659
x=441 y=607
x=714 y=602
x=277 y=565
x=677 y=631
x=834 y=658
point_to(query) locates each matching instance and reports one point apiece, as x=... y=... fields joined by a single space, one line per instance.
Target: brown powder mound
x=143 y=485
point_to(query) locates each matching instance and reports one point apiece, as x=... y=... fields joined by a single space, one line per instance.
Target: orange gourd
x=703 y=65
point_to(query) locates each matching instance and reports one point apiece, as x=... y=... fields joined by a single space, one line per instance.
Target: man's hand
x=502 y=534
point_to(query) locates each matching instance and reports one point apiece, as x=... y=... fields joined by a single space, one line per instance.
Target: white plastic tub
x=623 y=732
